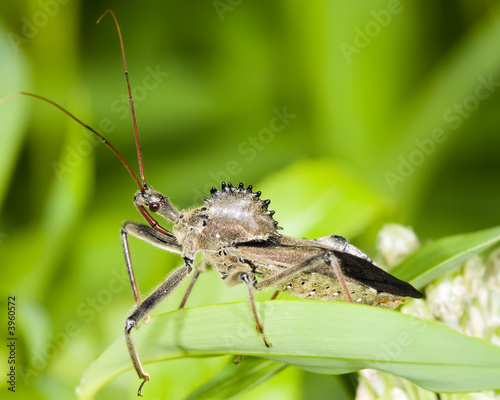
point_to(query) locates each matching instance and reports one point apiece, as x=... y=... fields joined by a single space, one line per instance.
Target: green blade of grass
x=14 y=69
x=234 y=380
x=330 y=338
x=435 y=259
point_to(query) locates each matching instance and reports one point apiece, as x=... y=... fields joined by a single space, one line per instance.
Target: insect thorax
x=231 y=215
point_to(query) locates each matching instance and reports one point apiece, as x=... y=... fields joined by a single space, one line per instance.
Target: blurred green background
x=393 y=117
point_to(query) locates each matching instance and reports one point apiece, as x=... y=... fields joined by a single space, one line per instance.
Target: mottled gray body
x=237 y=234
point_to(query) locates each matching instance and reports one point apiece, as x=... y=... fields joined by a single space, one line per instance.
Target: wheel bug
x=236 y=234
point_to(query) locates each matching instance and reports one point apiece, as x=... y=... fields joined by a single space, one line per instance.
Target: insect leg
x=201 y=267
x=250 y=288
x=286 y=273
x=149 y=235
x=143 y=310
x=188 y=291
x=275 y=294
x=331 y=260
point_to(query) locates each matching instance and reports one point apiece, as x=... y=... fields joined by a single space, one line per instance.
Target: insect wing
x=287 y=252
x=370 y=275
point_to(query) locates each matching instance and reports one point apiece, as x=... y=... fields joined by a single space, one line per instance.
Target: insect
x=237 y=236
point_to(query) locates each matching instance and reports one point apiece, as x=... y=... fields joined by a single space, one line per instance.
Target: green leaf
x=435 y=259
x=232 y=380
x=322 y=337
x=14 y=69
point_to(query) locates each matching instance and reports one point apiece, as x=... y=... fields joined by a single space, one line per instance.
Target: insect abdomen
x=321 y=287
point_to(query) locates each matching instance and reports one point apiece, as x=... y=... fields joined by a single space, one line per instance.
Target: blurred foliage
x=365 y=83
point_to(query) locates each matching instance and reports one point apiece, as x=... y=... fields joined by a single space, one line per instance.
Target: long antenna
x=131 y=102
x=103 y=139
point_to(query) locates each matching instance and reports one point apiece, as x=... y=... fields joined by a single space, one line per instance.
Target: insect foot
x=260 y=329
x=129 y=324
x=139 y=391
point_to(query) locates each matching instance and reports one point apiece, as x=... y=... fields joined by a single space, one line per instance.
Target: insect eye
x=154 y=206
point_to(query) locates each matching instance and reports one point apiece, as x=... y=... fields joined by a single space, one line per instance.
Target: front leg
x=145 y=308
x=151 y=236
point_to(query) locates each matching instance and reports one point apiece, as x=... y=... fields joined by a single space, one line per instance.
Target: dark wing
x=370 y=275
x=287 y=252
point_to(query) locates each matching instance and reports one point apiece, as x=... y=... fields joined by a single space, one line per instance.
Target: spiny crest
x=242 y=198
